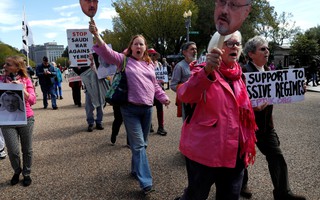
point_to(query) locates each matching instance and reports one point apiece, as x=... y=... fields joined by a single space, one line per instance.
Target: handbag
x=118 y=92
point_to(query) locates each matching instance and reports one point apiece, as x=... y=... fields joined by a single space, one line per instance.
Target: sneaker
x=90 y=128
x=147 y=190
x=27 y=181
x=15 y=179
x=151 y=129
x=55 y=108
x=3 y=154
x=99 y=127
x=61 y=97
x=161 y=131
x=246 y=193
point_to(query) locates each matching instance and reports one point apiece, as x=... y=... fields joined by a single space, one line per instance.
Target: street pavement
x=73 y=164
x=313 y=89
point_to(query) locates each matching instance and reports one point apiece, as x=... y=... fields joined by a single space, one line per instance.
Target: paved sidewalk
x=73 y=164
x=313 y=89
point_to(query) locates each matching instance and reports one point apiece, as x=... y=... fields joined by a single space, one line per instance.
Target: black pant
x=160 y=114
x=116 y=124
x=76 y=94
x=269 y=145
x=200 y=179
x=117 y=120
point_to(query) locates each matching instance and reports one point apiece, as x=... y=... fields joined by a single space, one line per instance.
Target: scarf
x=247 y=119
x=9 y=79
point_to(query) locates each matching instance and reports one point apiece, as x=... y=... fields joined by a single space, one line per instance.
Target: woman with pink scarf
x=218 y=138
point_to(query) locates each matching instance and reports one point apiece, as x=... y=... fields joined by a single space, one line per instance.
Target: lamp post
x=187 y=19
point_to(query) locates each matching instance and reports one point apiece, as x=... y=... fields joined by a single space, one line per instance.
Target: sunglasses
x=264 y=49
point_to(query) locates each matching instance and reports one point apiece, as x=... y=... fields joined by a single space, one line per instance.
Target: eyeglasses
x=264 y=49
x=232 y=5
x=230 y=44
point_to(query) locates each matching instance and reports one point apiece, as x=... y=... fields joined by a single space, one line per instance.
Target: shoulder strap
x=124 y=64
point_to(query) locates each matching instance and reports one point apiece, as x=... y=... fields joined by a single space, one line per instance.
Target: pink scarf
x=247 y=118
x=8 y=79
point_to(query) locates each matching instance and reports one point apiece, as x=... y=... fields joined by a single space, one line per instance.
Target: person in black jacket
x=257 y=50
x=46 y=75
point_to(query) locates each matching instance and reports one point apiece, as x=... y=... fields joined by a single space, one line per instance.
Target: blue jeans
x=90 y=109
x=49 y=89
x=137 y=120
x=58 y=89
x=228 y=181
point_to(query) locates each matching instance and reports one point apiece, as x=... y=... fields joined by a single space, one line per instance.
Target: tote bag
x=118 y=92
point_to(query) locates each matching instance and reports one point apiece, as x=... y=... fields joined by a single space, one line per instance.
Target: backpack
x=118 y=92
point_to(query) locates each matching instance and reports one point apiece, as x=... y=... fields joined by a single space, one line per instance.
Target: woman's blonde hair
x=20 y=63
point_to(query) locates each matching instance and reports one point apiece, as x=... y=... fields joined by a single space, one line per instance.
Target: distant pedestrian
x=181 y=72
x=46 y=74
x=272 y=66
x=313 y=69
x=58 y=81
x=154 y=55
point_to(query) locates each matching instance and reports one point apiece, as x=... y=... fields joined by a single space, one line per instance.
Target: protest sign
x=80 y=42
x=162 y=74
x=275 y=87
x=12 y=105
x=73 y=77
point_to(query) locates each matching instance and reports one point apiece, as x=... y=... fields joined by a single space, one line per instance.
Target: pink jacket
x=31 y=100
x=142 y=83
x=212 y=135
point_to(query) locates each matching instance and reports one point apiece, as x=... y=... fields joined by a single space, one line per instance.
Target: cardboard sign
x=275 y=87
x=12 y=105
x=162 y=74
x=72 y=76
x=80 y=42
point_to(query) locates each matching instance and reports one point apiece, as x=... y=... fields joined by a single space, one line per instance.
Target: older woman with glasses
x=15 y=73
x=217 y=137
x=257 y=50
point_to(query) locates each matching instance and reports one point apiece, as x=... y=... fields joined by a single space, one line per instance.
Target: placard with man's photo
x=12 y=105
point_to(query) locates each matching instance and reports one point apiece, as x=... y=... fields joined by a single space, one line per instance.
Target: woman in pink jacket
x=143 y=87
x=15 y=72
x=218 y=139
